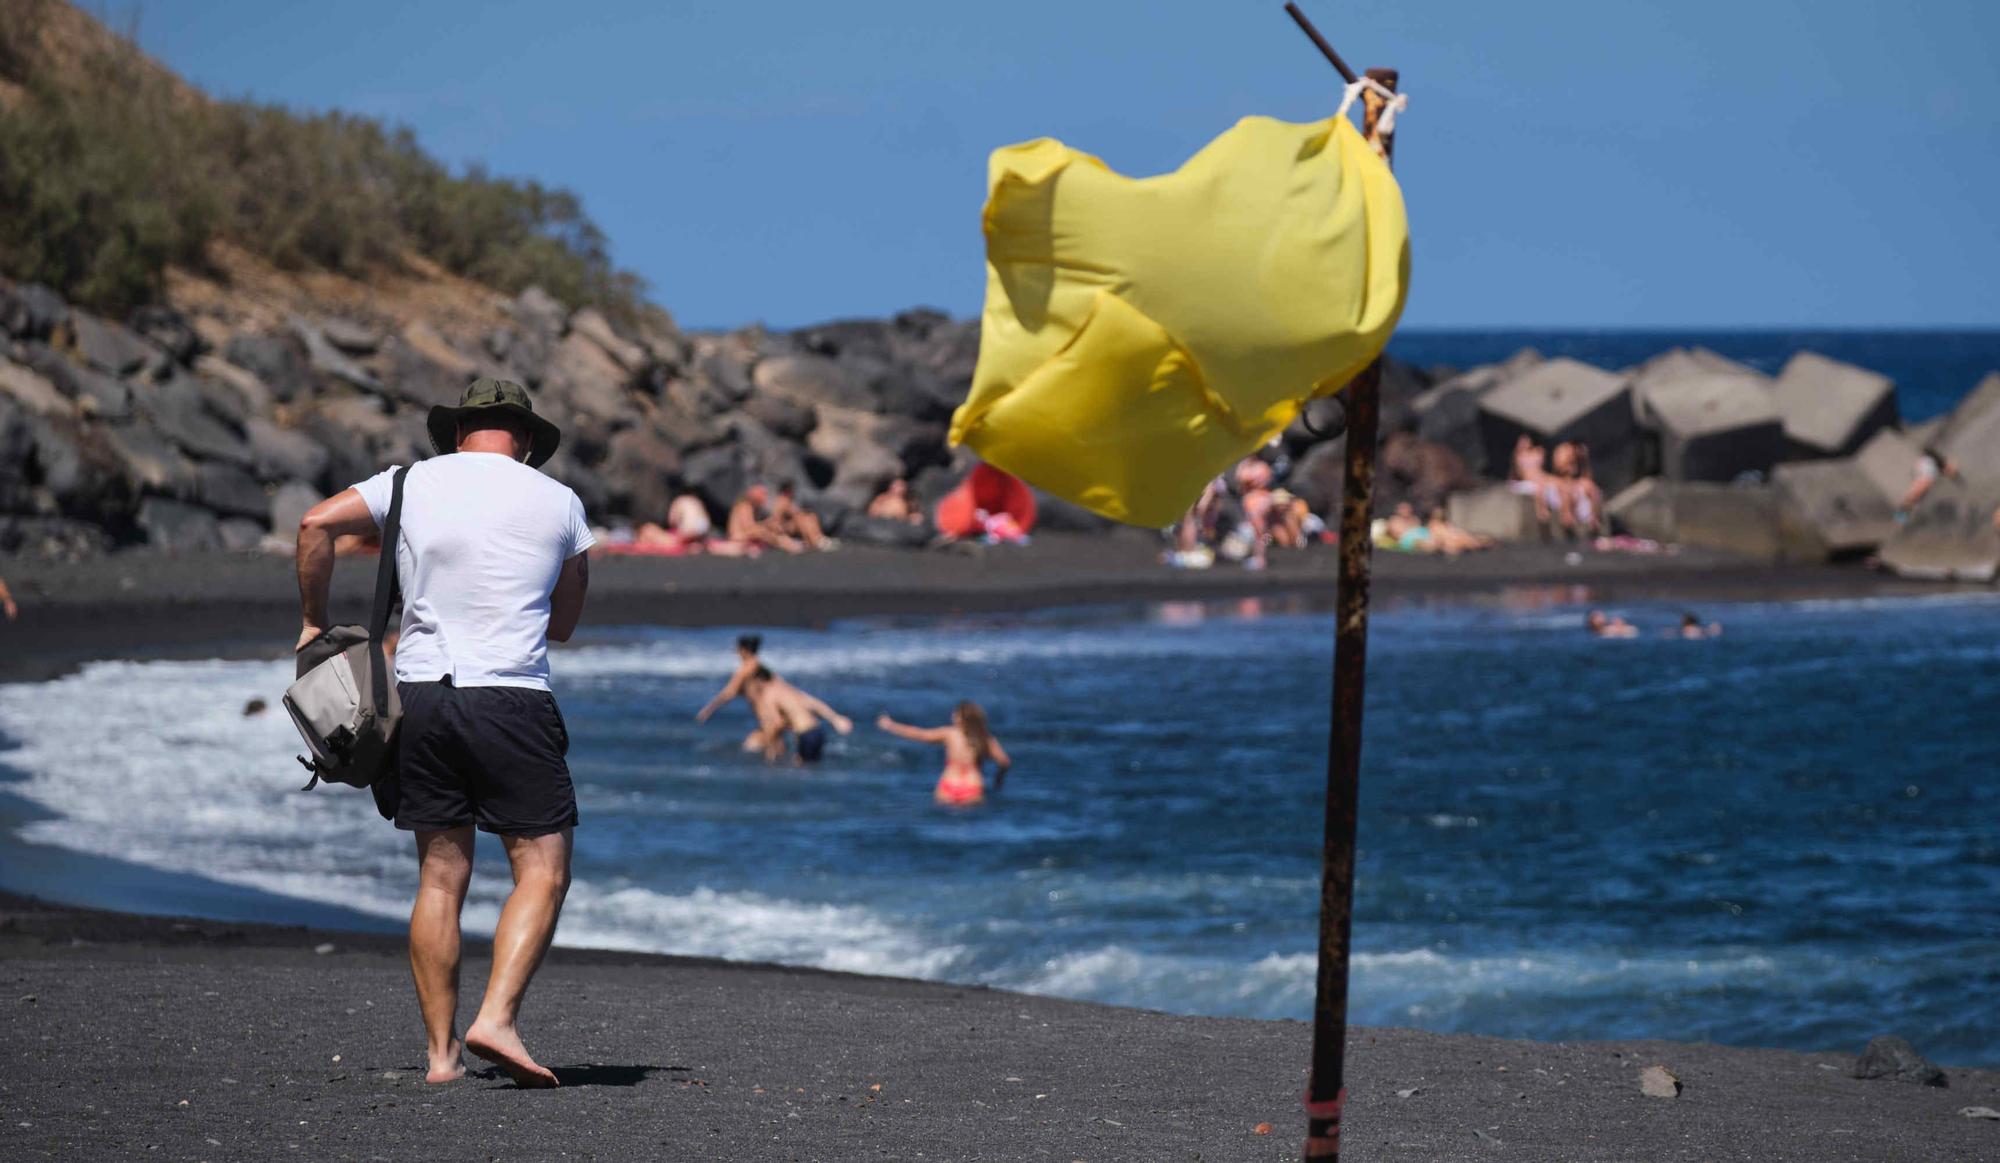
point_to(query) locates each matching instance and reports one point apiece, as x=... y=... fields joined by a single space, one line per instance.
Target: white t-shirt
x=484 y=539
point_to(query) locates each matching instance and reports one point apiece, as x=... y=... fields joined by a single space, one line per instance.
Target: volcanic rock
x=1895 y=1059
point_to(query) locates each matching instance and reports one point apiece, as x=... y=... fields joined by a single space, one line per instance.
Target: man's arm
x=566 y=603
x=729 y=690
x=7 y=605
x=339 y=515
x=841 y=723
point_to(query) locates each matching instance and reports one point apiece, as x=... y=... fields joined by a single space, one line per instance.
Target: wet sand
x=125 y=1037
x=153 y=605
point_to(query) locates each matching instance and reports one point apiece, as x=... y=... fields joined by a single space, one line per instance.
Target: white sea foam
x=154 y=764
x=885 y=652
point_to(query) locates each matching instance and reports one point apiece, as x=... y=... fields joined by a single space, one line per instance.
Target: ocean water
x=1786 y=836
x=1932 y=370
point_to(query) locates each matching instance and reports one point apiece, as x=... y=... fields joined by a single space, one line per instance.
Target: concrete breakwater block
x=1681 y=363
x=1754 y=521
x=1970 y=436
x=1495 y=511
x=1448 y=413
x=1950 y=536
x=1564 y=400
x=1715 y=426
x=1889 y=460
x=1832 y=408
x=1838 y=502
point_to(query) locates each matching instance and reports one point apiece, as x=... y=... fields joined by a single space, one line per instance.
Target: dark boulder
x=96 y=393
x=539 y=311
x=150 y=461
x=17 y=445
x=279 y=454
x=276 y=360
x=1895 y=1059
x=31 y=311
x=590 y=487
x=725 y=367
x=169 y=330
x=78 y=474
x=1317 y=476
x=717 y=475
x=186 y=414
x=1417 y=471
x=58 y=538
x=330 y=362
x=414 y=378
x=240 y=534
x=865 y=530
x=814 y=381
x=177 y=527
x=231 y=490
x=32 y=391
x=640 y=472
x=290 y=502
x=785 y=418
x=913 y=392
x=113 y=348
x=351 y=336
x=591 y=324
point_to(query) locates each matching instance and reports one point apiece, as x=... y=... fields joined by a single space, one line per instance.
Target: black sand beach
x=133 y=1037
x=129 y=1036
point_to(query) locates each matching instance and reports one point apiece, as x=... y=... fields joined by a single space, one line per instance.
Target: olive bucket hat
x=484 y=395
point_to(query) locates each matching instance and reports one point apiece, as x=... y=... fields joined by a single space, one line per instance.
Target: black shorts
x=812 y=745
x=488 y=755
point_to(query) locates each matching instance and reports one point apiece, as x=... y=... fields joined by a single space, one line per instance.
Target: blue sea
x=1788 y=835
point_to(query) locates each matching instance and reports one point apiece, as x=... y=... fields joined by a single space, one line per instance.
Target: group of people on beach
x=760 y=518
x=1568 y=500
x=785 y=713
x=1241 y=516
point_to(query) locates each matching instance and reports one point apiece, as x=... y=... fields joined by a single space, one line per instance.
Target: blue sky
x=1579 y=163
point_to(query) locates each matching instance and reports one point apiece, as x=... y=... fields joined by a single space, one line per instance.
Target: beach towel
x=1140 y=335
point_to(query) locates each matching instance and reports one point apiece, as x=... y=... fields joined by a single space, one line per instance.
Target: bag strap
x=386 y=586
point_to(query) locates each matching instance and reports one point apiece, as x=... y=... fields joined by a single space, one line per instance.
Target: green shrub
x=110 y=171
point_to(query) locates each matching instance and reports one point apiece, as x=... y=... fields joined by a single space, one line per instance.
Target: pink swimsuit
x=960 y=784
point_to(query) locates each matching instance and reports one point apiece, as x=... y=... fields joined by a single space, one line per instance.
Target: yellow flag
x=1141 y=334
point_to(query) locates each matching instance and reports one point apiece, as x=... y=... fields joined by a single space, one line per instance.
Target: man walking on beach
x=492 y=565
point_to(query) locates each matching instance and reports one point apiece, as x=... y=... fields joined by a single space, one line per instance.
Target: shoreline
x=143 y=605
x=676 y=1057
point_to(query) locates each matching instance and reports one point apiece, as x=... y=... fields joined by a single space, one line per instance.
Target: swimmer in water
x=782 y=707
x=747 y=663
x=1611 y=627
x=968 y=743
x=1691 y=627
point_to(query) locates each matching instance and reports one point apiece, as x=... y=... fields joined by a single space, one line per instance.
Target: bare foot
x=447 y=1067
x=502 y=1047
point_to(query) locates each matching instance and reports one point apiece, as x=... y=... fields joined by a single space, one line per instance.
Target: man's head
x=494 y=416
x=788 y=490
x=748 y=645
x=757 y=495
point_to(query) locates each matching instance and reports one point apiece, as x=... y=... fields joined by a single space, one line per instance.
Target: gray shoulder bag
x=344 y=701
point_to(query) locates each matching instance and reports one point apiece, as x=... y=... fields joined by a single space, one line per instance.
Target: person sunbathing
x=795 y=520
x=750 y=524
x=893 y=503
x=1449 y=539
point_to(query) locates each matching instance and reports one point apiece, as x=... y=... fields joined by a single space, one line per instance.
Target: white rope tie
x=1393 y=103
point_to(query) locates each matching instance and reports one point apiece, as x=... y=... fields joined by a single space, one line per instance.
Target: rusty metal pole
x=1326 y=1089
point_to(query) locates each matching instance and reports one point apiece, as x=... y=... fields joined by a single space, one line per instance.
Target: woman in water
x=967 y=743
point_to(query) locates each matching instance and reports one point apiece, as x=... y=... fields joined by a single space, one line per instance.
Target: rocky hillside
x=213 y=419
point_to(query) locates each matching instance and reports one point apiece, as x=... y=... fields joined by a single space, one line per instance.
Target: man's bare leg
x=527 y=925
x=444 y=870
